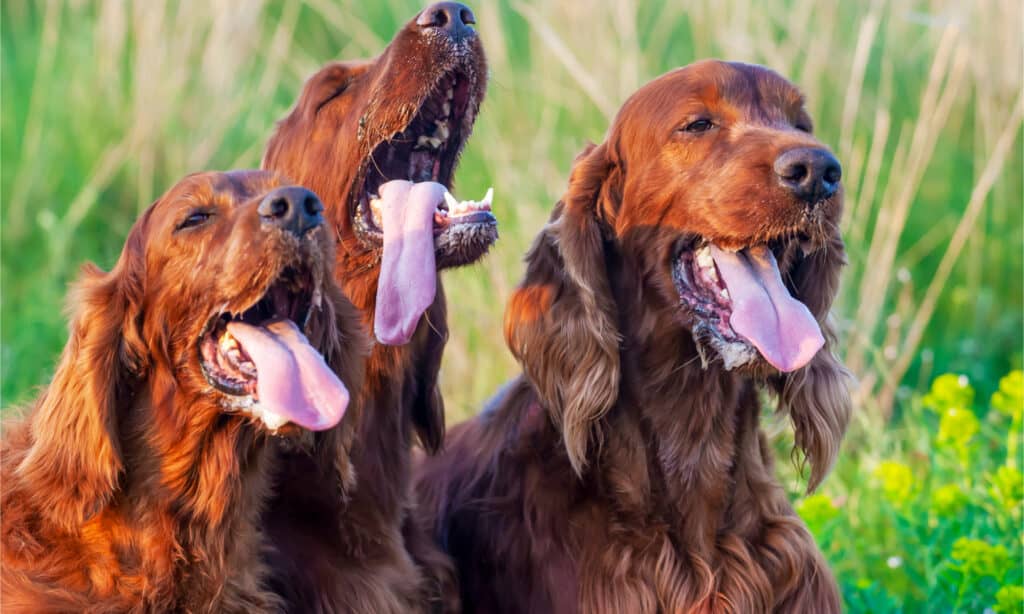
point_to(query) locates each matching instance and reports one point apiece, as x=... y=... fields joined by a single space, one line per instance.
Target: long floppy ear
x=428 y=404
x=75 y=459
x=338 y=331
x=817 y=397
x=561 y=321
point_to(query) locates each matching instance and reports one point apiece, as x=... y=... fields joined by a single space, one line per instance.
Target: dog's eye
x=699 y=125
x=195 y=218
x=804 y=128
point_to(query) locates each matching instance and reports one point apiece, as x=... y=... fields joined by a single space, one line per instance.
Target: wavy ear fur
x=75 y=459
x=561 y=321
x=817 y=397
x=339 y=333
x=428 y=404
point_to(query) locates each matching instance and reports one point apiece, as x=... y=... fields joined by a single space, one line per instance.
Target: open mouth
x=262 y=362
x=742 y=308
x=427 y=150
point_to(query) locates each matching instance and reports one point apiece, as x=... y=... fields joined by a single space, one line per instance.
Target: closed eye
x=194 y=218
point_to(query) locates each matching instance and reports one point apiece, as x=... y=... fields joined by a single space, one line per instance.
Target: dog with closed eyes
x=136 y=482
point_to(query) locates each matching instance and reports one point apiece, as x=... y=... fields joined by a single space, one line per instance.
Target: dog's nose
x=812 y=173
x=293 y=209
x=451 y=18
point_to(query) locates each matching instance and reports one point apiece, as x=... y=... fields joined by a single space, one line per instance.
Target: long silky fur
x=625 y=470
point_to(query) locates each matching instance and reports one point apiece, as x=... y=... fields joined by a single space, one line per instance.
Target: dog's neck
x=383 y=447
x=694 y=421
x=189 y=455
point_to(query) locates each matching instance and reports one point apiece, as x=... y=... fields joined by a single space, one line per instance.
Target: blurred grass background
x=107 y=104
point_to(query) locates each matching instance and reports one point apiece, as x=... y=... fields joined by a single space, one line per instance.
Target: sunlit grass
x=106 y=104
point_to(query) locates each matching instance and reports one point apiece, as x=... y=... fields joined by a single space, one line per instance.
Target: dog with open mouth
x=135 y=482
x=379 y=141
x=689 y=268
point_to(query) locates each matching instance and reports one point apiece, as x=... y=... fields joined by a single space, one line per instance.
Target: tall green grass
x=106 y=104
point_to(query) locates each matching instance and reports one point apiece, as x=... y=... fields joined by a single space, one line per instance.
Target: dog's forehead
x=757 y=89
x=731 y=89
x=240 y=186
x=232 y=187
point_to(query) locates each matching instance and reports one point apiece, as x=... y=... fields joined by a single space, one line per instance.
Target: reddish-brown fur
x=618 y=474
x=127 y=486
x=352 y=555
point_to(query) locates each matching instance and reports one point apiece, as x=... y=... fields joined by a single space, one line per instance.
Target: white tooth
x=725 y=294
x=450 y=93
x=423 y=141
x=435 y=142
x=272 y=420
x=446 y=108
x=442 y=130
x=704 y=259
x=488 y=197
x=317 y=297
x=452 y=203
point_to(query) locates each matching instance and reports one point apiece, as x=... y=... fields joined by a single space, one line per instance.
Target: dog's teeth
x=441 y=131
x=423 y=141
x=725 y=294
x=704 y=259
x=488 y=197
x=446 y=108
x=450 y=93
x=453 y=204
x=271 y=420
x=227 y=342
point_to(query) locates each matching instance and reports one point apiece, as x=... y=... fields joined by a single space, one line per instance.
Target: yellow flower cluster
x=948 y=500
x=817 y=510
x=1007 y=488
x=979 y=558
x=896 y=480
x=956 y=429
x=1010 y=600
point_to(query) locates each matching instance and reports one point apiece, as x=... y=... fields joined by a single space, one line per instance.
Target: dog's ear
x=561 y=321
x=337 y=329
x=428 y=404
x=817 y=397
x=324 y=89
x=75 y=458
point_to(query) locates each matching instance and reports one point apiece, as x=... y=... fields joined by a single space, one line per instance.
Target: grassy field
x=106 y=104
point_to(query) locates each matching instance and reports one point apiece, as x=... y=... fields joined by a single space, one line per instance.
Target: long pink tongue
x=779 y=326
x=293 y=381
x=408 y=277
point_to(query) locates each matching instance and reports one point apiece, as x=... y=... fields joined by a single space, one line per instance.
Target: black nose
x=293 y=209
x=812 y=173
x=450 y=17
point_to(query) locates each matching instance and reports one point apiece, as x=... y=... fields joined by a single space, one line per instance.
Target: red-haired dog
x=690 y=265
x=136 y=480
x=379 y=141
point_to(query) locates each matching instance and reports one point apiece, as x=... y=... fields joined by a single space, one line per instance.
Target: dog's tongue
x=408 y=277
x=293 y=381
x=779 y=326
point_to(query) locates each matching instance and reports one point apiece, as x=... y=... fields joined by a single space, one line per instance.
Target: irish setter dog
x=135 y=482
x=379 y=141
x=689 y=267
